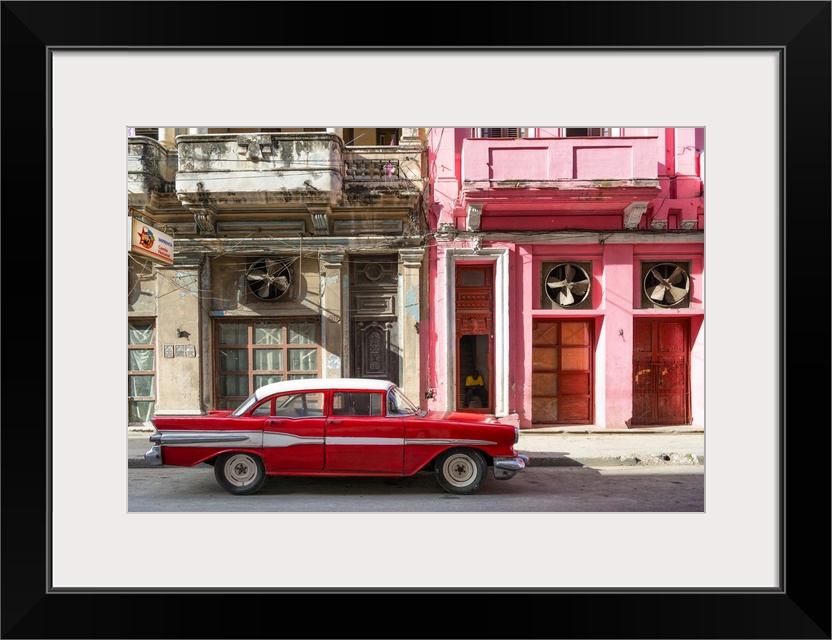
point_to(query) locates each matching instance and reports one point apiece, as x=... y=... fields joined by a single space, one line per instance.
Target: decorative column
x=614 y=353
x=179 y=339
x=167 y=138
x=410 y=139
x=333 y=280
x=410 y=317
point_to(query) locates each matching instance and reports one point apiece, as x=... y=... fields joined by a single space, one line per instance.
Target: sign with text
x=148 y=241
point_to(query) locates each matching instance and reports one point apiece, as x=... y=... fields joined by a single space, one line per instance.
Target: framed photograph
x=755 y=75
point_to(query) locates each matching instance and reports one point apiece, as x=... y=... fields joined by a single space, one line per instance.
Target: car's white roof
x=322 y=383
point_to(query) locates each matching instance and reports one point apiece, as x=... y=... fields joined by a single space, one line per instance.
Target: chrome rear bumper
x=154 y=456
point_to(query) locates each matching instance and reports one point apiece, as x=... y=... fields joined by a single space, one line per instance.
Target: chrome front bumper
x=506 y=467
x=154 y=456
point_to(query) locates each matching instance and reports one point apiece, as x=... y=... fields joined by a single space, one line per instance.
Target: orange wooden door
x=562 y=372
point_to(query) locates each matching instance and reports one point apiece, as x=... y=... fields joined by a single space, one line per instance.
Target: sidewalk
x=569 y=446
x=613 y=447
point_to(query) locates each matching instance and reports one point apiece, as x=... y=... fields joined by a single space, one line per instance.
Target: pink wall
x=537 y=159
x=555 y=191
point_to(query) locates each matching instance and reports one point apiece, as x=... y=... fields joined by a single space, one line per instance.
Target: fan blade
x=554 y=284
x=676 y=293
x=273 y=267
x=570 y=272
x=656 y=293
x=566 y=297
x=676 y=275
x=282 y=283
x=263 y=291
x=580 y=288
x=256 y=275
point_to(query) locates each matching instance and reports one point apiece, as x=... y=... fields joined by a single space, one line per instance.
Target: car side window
x=263 y=409
x=299 y=405
x=356 y=403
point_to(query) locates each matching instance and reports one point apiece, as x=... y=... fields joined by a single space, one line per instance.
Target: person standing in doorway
x=474 y=386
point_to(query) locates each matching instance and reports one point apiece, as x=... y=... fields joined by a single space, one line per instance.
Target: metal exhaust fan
x=568 y=284
x=667 y=284
x=269 y=279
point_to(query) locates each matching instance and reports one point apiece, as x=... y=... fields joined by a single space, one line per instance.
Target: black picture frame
x=800 y=608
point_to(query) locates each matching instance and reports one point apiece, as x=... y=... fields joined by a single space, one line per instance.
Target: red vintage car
x=337 y=427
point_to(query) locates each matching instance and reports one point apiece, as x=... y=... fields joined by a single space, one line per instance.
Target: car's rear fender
x=192 y=456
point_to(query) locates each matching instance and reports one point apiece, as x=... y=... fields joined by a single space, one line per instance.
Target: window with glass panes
x=141 y=371
x=250 y=354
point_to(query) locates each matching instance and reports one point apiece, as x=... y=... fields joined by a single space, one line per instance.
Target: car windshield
x=247 y=404
x=398 y=403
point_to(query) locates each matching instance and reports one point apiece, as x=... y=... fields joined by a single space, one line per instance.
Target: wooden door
x=661 y=371
x=374 y=324
x=562 y=372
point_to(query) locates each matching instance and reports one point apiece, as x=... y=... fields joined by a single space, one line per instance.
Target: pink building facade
x=567 y=268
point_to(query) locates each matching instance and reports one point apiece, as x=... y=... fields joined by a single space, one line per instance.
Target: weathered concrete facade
x=267 y=226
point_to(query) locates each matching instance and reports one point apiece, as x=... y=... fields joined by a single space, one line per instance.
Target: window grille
x=148 y=132
x=502 y=132
x=251 y=354
x=590 y=132
x=141 y=371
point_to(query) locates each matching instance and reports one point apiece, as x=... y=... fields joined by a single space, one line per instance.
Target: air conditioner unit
x=665 y=285
x=566 y=285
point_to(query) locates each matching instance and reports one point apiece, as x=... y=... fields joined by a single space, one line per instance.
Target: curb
x=673 y=459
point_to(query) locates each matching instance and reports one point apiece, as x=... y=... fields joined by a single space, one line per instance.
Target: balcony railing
x=363 y=169
x=300 y=164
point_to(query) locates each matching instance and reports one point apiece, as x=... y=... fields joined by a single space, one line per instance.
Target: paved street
x=676 y=488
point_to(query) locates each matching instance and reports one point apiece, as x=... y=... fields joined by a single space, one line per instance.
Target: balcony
x=151 y=171
x=286 y=182
x=529 y=183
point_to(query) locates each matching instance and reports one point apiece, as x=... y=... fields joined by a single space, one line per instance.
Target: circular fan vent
x=667 y=284
x=568 y=284
x=269 y=278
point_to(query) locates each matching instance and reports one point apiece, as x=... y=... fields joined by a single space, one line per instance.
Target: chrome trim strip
x=174 y=438
x=278 y=439
x=435 y=441
x=282 y=440
x=367 y=441
x=208 y=438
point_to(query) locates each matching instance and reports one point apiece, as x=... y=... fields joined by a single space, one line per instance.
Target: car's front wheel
x=240 y=473
x=461 y=471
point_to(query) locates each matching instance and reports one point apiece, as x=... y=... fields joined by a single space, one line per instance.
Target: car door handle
x=276 y=421
x=336 y=422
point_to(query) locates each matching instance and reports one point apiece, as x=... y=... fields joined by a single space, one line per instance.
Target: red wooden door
x=661 y=371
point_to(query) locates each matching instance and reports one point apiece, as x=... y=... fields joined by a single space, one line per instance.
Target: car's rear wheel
x=461 y=471
x=240 y=473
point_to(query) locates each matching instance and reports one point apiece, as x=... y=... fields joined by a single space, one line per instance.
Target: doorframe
x=499 y=257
